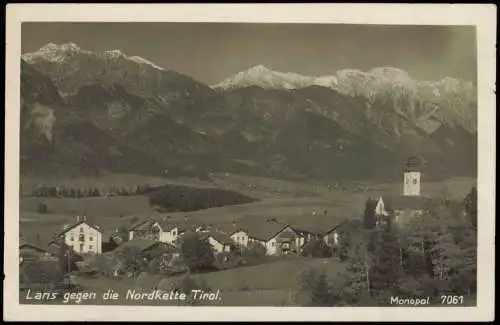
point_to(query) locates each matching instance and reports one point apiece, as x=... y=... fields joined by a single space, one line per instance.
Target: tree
x=132 y=259
x=470 y=203
x=369 y=214
x=67 y=258
x=359 y=273
x=40 y=272
x=196 y=253
x=314 y=289
x=253 y=253
x=42 y=208
x=316 y=248
x=387 y=266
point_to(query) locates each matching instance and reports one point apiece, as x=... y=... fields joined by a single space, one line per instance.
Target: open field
x=283 y=200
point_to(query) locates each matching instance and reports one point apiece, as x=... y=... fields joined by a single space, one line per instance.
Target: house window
x=91 y=238
x=90 y=246
x=174 y=232
x=72 y=238
x=82 y=238
x=273 y=244
x=81 y=247
x=81 y=229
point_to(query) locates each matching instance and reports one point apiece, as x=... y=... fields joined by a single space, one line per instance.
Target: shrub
x=42 y=208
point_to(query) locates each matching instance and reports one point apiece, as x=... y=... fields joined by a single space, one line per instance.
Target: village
x=168 y=245
x=85 y=238
x=271 y=237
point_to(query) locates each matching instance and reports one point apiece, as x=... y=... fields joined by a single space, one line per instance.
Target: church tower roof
x=413 y=163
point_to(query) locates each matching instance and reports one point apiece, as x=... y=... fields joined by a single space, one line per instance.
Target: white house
x=240 y=237
x=220 y=242
x=277 y=238
x=165 y=231
x=83 y=237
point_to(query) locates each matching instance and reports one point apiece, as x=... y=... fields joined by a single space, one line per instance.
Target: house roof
x=165 y=223
x=219 y=237
x=404 y=202
x=140 y=243
x=76 y=224
x=41 y=240
x=317 y=224
x=109 y=235
x=168 y=225
x=264 y=230
x=38 y=247
x=413 y=163
x=140 y=223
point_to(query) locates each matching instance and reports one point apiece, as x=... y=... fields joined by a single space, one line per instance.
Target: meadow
x=284 y=200
x=270 y=284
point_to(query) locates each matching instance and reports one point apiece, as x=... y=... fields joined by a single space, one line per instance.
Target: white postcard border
x=482 y=16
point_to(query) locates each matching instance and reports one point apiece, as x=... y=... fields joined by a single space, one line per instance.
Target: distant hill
x=84 y=112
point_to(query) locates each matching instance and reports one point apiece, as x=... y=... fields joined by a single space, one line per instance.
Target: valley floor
x=268 y=284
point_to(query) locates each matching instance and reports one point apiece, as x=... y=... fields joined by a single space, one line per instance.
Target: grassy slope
x=271 y=284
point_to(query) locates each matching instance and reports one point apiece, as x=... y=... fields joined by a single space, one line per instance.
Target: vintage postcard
x=254 y=162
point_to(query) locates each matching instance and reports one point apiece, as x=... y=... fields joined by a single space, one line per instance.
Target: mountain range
x=84 y=112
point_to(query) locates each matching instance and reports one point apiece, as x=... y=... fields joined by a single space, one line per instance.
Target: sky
x=211 y=52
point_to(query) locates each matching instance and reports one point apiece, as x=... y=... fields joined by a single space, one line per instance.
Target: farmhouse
x=161 y=229
x=143 y=230
x=220 y=241
x=30 y=251
x=321 y=226
x=82 y=236
x=235 y=230
x=276 y=237
x=400 y=208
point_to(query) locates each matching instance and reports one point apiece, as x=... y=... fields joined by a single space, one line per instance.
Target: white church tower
x=412 y=177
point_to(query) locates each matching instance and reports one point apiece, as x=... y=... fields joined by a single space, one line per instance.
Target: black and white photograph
x=243 y=164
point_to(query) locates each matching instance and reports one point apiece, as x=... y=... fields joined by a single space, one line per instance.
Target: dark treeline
x=167 y=198
x=434 y=255
x=63 y=191
x=172 y=198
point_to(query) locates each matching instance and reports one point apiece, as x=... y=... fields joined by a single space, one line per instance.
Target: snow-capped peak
x=62 y=53
x=348 y=81
x=54 y=53
x=259 y=69
x=113 y=53
x=264 y=77
x=63 y=47
x=141 y=60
